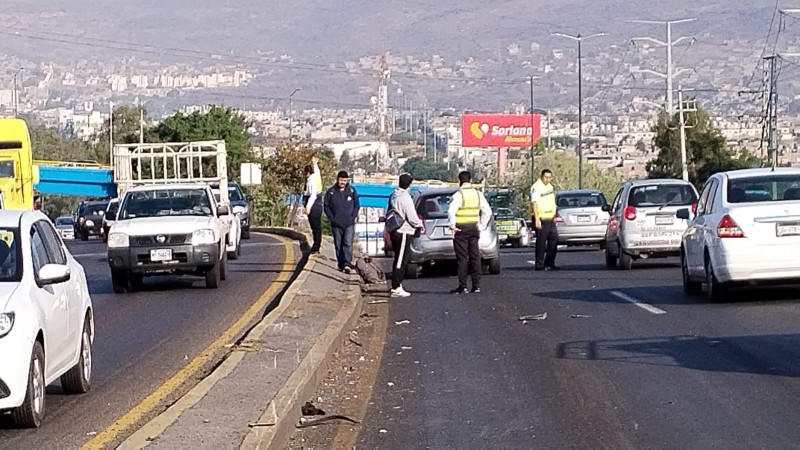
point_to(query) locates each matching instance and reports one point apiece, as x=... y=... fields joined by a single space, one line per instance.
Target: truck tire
x=494 y=266
x=412 y=271
x=245 y=234
x=136 y=280
x=213 y=276
x=119 y=281
x=223 y=268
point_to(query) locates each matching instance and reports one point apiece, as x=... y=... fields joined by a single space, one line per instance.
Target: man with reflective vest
x=543 y=205
x=469 y=214
x=312 y=199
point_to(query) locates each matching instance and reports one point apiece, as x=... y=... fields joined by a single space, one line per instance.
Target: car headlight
x=6 y=323
x=118 y=240
x=90 y=223
x=204 y=237
x=239 y=209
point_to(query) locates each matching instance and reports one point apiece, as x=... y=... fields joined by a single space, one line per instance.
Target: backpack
x=369 y=271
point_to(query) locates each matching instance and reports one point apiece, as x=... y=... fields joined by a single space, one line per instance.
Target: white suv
x=46 y=321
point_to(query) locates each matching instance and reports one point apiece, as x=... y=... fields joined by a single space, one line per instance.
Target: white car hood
x=6 y=292
x=148 y=226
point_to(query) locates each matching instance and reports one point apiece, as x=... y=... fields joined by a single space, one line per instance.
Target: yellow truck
x=17 y=172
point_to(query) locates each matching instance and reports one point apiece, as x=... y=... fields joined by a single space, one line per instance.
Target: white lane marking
x=644 y=306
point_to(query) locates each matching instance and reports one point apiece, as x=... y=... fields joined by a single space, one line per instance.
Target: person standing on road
x=402 y=223
x=469 y=214
x=543 y=205
x=341 y=207
x=312 y=199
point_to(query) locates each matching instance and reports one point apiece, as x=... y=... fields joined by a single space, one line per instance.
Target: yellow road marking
x=149 y=403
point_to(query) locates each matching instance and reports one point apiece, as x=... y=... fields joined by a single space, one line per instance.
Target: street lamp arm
x=682 y=71
x=651 y=72
x=574 y=38
x=681 y=39
x=649 y=39
x=594 y=35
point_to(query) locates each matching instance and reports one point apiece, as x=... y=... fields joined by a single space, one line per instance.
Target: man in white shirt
x=469 y=214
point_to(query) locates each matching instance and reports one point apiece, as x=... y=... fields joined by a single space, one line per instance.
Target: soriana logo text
x=499 y=130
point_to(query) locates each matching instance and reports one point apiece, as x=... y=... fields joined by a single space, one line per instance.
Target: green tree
x=126 y=131
x=706 y=152
x=425 y=169
x=352 y=129
x=47 y=144
x=345 y=161
x=218 y=123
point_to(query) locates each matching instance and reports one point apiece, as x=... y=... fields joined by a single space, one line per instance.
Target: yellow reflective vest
x=545 y=198
x=470 y=211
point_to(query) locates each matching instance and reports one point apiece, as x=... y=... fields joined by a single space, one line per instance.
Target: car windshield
x=662 y=195
x=165 y=202
x=95 y=209
x=504 y=213
x=434 y=206
x=113 y=207
x=580 y=200
x=770 y=188
x=234 y=194
x=10 y=256
x=64 y=221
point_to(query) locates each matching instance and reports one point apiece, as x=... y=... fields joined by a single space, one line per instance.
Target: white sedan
x=46 y=321
x=746 y=231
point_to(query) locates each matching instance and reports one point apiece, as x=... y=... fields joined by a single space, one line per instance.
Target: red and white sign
x=500 y=130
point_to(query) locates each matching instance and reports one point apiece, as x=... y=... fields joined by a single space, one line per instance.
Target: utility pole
x=684 y=108
x=580 y=39
x=425 y=132
x=111 y=133
x=669 y=43
x=549 y=138
x=16 y=93
x=772 y=113
x=533 y=169
x=141 y=123
x=291 y=111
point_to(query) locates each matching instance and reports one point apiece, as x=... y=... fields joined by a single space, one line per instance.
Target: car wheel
x=223 y=269
x=79 y=378
x=611 y=260
x=625 y=260
x=690 y=287
x=494 y=266
x=119 y=281
x=412 y=271
x=213 y=276
x=31 y=412
x=105 y=238
x=715 y=289
x=246 y=234
x=84 y=236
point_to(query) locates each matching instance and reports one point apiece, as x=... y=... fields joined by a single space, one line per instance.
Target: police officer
x=469 y=214
x=543 y=205
x=312 y=199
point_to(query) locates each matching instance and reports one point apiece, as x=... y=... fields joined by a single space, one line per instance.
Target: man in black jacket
x=341 y=207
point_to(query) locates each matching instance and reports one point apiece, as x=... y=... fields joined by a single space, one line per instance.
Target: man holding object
x=543 y=205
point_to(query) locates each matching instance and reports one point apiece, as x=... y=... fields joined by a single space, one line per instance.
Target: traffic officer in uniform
x=543 y=205
x=469 y=214
x=312 y=199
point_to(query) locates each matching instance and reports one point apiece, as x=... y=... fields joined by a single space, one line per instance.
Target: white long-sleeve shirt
x=458 y=200
x=311 y=188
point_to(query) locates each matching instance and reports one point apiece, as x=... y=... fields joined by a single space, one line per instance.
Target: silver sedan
x=580 y=217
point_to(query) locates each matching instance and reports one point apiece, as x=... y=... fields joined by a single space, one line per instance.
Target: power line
x=766 y=42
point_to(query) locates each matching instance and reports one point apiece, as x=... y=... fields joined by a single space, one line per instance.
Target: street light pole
x=16 y=93
x=533 y=170
x=580 y=39
x=291 y=111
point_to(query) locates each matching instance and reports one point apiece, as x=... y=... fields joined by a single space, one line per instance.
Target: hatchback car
x=240 y=204
x=435 y=242
x=90 y=219
x=110 y=217
x=508 y=228
x=746 y=232
x=643 y=222
x=46 y=321
x=65 y=227
x=580 y=218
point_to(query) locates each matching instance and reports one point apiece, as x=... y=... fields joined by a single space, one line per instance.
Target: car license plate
x=584 y=219
x=665 y=220
x=161 y=255
x=787 y=229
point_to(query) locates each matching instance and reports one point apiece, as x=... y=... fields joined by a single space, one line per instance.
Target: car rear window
x=661 y=195
x=770 y=188
x=582 y=200
x=434 y=206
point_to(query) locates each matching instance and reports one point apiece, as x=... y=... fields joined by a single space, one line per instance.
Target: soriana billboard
x=499 y=130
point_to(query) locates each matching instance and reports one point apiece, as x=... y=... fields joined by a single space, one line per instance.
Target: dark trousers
x=343 y=243
x=468 y=255
x=401 y=246
x=546 y=244
x=315 y=221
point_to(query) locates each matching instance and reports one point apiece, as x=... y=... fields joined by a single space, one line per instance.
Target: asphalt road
x=143 y=338
x=623 y=360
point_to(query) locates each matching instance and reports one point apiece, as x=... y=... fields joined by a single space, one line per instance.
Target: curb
x=292 y=233
x=284 y=409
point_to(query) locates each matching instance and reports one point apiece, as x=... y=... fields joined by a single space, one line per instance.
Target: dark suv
x=89 y=219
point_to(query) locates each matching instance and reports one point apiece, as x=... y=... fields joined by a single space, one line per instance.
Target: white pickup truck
x=169 y=221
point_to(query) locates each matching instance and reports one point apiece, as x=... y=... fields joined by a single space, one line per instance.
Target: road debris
x=368 y=316
x=305 y=422
x=377 y=302
x=92 y=433
x=260 y=424
x=355 y=342
x=405 y=348
x=310 y=410
x=541 y=316
x=579 y=316
x=402 y=322
x=383 y=431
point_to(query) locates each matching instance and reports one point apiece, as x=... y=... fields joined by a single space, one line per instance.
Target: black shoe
x=539 y=267
x=347 y=270
x=476 y=290
x=553 y=267
x=460 y=291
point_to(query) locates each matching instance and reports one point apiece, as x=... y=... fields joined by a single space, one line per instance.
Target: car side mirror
x=53 y=274
x=223 y=210
x=248 y=198
x=606 y=208
x=382 y=220
x=683 y=214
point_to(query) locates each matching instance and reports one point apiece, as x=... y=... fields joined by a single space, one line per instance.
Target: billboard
x=499 y=130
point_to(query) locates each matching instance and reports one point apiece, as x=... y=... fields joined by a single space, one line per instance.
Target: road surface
x=623 y=360
x=143 y=338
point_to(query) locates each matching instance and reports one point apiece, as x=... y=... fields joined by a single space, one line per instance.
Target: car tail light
x=613 y=223
x=630 y=213
x=728 y=228
x=422 y=221
x=694 y=208
x=558 y=219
